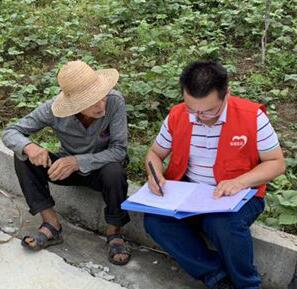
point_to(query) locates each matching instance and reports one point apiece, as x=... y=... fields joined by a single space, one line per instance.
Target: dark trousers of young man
x=111 y=180
x=229 y=233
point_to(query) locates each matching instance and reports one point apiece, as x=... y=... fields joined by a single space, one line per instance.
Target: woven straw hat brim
x=65 y=106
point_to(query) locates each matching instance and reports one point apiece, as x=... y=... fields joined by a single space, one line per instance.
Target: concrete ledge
x=275 y=252
x=80 y=205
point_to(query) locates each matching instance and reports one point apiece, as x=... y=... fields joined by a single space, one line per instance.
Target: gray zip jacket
x=104 y=141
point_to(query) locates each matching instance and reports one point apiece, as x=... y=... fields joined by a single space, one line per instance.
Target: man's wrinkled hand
x=153 y=185
x=63 y=168
x=228 y=188
x=37 y=155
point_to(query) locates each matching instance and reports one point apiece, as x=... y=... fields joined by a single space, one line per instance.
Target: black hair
x=202 y=77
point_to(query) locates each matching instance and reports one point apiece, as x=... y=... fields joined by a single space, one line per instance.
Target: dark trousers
x=229 y=233
x=111 y=180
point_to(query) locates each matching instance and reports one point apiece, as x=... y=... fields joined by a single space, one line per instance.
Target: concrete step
x=87 y=250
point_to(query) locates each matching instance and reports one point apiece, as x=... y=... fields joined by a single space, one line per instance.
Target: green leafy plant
x=149 y=42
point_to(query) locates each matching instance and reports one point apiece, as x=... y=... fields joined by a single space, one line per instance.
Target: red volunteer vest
x=237 y=149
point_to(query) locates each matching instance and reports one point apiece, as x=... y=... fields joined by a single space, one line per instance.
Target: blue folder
x=135 y=207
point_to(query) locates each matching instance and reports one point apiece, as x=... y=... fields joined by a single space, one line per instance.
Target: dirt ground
x=9 y=110
x=286 y=126
x=287 y=115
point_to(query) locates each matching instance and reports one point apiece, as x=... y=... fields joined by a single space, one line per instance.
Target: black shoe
x=225 y=283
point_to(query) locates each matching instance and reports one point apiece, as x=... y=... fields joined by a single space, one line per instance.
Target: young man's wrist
x=243 y=182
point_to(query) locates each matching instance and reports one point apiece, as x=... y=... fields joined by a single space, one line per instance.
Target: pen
x=155 y=177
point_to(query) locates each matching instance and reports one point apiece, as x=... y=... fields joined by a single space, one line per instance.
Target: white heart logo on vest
x=239 y=141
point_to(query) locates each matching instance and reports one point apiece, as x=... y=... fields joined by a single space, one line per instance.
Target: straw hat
x=81 y=87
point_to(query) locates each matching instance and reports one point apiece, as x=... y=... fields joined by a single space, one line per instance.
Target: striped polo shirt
x=204 y=144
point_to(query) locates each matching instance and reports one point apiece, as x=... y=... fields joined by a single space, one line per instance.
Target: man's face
x=206 y=109
x=97 y=110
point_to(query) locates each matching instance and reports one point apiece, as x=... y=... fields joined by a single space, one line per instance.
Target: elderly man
x=227 y=142
x=89 y=118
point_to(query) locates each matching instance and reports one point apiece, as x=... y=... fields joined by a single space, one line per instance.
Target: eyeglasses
x=208 y=113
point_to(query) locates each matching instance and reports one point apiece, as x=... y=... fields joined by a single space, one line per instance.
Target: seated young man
x=89 y=119
x=224 y=141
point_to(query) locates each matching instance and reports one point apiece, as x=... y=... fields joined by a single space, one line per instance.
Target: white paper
x=187 y=197
x=174 y=194
x=202 y=200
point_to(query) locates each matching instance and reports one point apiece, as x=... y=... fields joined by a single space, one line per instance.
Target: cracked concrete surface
x=80 y=262
x=21 y=269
